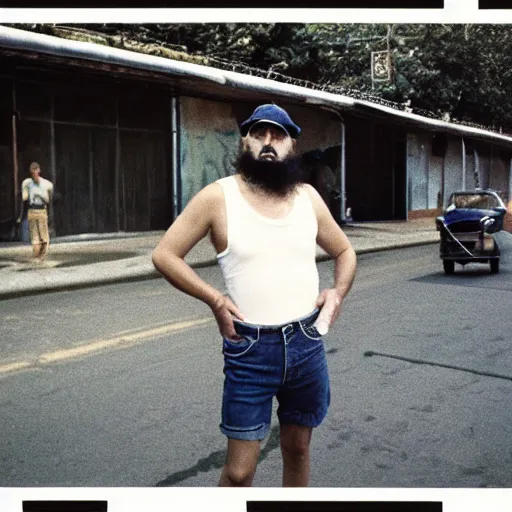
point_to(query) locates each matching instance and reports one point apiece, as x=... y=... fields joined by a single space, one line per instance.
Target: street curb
x=154 y=274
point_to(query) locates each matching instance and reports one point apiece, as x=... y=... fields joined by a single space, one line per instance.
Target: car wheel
x=495 y=266
x=449 y=266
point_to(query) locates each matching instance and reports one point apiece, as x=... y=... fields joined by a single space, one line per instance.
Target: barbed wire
x=337 y=89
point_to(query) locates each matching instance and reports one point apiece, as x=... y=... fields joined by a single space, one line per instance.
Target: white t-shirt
x=37 y=194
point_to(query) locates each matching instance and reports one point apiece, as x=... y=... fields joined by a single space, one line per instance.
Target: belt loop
x=283 y=331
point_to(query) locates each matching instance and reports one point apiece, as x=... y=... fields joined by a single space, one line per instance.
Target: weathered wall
x=453 y=167
x=320 y=128
x=209 y=143
x=430 y=175
x=7 y=213
x=418 y=155
x=105 y=145
x=435 y=182
x=499 y=177
x=210 y=138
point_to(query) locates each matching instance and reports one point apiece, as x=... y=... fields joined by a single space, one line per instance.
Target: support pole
x=509 y=199
x=343 y=174
x=176 y=200
x=16 y=181
x=463 y=164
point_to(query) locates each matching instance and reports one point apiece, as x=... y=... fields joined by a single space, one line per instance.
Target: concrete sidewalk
x=92 y=260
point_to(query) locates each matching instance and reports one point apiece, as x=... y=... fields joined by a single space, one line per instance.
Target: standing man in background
x=265 y=223
x=36 y=194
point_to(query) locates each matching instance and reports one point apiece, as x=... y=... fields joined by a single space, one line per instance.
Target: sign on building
x=381 y=66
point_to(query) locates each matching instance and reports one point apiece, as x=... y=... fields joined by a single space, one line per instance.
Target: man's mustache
x=268 y=149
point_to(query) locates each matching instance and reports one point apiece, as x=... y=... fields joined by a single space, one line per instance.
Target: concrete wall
x=472 y=177
x=320 y=129
x=428 y=173
x=209 y=142
x=418 y=153
x=435 y=181
x=453 y=167
x=210 y=138
x=499 y=177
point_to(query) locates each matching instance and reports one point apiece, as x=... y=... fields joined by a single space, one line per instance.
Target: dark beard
x=273 y=177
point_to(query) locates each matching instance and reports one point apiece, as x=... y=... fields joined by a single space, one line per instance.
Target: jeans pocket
x=233 y=348
x=311 y=332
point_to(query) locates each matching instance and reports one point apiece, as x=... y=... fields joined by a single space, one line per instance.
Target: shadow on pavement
x=22 y=264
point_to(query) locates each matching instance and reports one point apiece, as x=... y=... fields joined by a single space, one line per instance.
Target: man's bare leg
x=43 y=251
x=241 y=463
x=36 y=251
x=295 y=440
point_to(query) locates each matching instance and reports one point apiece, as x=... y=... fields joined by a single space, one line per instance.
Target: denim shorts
x=287 y=362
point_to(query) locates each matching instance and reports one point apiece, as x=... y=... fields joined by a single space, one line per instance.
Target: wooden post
x=53 y=169
x=117 y=169
x=16 y=181
x=91 y=181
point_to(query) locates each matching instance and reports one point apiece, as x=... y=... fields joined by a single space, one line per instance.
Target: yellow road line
x=12 y=367
x=103 y=344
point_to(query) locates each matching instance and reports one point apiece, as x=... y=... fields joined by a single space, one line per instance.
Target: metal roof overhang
x=189 y=78
x=435 y=125
x=229 y=84
x=305 y=95
x=29 y=41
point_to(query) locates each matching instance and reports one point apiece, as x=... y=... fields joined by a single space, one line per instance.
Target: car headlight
x=487 y=222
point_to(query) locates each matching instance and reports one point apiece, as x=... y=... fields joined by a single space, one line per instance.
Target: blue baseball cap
x=271 y=113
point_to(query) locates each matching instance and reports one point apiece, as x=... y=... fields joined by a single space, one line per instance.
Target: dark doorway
x=375 y=170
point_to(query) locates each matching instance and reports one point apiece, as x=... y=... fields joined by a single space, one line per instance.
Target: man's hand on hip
x=224 y=311
x=329 y=301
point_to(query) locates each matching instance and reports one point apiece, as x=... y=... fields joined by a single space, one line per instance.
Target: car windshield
x=480 y=201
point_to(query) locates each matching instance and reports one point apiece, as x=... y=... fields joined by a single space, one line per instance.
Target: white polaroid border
x=234 y=500
x=454 y=11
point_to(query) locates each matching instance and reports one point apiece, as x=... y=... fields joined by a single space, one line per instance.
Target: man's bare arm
x=334 y=242
x=24 y=201
x=187 y=230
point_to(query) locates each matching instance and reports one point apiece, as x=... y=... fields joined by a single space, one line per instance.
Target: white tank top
x=269 y=265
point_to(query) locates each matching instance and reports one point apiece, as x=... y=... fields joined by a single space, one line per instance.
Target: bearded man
x=265 y=223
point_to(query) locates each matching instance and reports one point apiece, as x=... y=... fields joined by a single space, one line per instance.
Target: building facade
x=128 y=139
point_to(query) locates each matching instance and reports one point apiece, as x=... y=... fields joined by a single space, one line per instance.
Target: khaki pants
x=38 y=229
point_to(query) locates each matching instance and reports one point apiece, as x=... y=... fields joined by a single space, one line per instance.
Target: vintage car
x=467 y=227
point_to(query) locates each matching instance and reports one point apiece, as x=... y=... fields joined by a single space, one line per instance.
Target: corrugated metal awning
x=226 y=81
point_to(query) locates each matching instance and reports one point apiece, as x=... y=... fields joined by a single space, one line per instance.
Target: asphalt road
x=121 y=385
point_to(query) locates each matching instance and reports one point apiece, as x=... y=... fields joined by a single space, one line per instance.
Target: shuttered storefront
x=104 y=142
